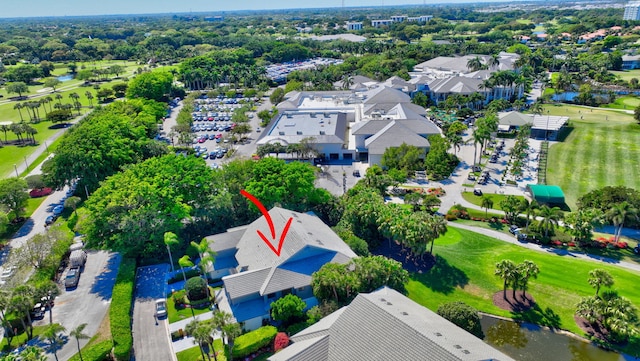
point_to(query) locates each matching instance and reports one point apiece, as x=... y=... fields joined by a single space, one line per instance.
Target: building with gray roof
x=255 y=276
x=542 y=126
x=384 y=325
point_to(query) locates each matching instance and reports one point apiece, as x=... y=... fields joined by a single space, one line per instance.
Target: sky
x=32 y=8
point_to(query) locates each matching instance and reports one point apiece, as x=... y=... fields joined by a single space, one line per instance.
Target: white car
x=161 y=308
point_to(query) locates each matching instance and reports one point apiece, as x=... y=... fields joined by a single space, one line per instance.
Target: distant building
x=632 y=11
x=400 y=19
x=214 y=18
x=354 y=26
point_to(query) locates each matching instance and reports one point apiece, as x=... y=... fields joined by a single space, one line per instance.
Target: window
x=271 y=295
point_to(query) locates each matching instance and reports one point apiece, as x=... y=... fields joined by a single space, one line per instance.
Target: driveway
x=150 y=337
x=88 y=303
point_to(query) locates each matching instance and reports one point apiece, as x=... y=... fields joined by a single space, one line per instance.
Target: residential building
x=632 y=11
x=630 y=62
x=254 y=276
x=399 y=19
x=379 y=23
x=386 y=325
x=542 y=126
x=353 y=26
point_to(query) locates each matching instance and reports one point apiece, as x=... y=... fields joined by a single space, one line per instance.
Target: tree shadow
x=103 y=284
x=538 y=316
x=498 y=226
x=443 y=277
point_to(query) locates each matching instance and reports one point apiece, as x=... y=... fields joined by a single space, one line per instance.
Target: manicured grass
x=21 y=338
x=628 y=74
x=627 y=102
x=16 y=154
x=477 y=200
x=602 y=149
x=193 y=353
x=33 y=204
x=175 y=315
x=465 y=268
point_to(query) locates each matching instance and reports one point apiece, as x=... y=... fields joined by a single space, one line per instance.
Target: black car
x=477 y=192
x=356 y=173
x=49 y=220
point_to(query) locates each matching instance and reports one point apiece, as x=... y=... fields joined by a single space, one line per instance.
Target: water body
x=570 y=96
x=65 y=77
x=526 y=342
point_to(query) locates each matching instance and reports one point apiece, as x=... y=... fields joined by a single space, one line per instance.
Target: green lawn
x=477 y=200
x=16 y=154
x=175 y=315
x=626 y=102
x=465 y=271
x=602 y=149
x=627 y=75
x=193 y=354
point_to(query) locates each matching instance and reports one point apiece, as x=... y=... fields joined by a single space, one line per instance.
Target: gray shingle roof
x=305 y=230
x=383 y=323
x=514 y=119
x=227 y=240
x=383 y=94
x=393 y=135
x=245 y=283
x=315 y=349
x=456 y=84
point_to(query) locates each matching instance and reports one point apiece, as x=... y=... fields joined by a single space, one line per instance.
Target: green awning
x=546 y=194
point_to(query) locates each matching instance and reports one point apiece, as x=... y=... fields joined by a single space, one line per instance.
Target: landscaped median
x=120 y=310
x=464 y=271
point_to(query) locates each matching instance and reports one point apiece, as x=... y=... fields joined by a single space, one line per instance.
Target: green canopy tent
x=546 y=194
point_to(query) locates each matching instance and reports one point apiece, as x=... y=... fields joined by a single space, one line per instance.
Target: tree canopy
x=154 y=85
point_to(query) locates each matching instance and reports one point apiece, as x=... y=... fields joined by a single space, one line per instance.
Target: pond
x=65 y=77
x=527 y=342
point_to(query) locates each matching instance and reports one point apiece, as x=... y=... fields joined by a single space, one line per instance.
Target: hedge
x=95 y=352
x=120 y=310
x=253 y=341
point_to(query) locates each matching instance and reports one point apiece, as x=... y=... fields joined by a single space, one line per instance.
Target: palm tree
x=89 y=96
x=206 y=256
x=230 y=331
x=598 y=278
x=529 y=208
x=59 y=98
x=33 y=353
x=506 y=270
x=5 y=128
x=53 y=336
x=550 y=217
x=475 y=64
x=526 y=270
x=22 y=303
x=170 y=239
x=487 y=203
x=347 y=81
x=439 y=225
x=78 y=335
x=185 y=261
x=19 y=106
x=618 y=214
x=201 y=332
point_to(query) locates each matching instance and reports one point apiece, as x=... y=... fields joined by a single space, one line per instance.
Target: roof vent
x=299 y=132
x=313 y=115
x=319 y=242
x=244 y=268
x=281 y=133
x=466 y=352
x=457 y=346
x=322 y=132
x=405 y=314
x=309 y=233
x=289 y=115
x=389 y=303
x=383 y=300
x=438 y=334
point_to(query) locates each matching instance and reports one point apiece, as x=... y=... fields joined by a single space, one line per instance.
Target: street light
x=50 y=307
x=16 y=169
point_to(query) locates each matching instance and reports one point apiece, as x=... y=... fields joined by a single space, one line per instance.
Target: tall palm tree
x=89 y=96
x=618 y=214
x=475 y=64
x=185 y=262
x=231 y=331
x=550 y=218
x=170 y=239
x=440 y=227
x=78 y=334
x=207 y=256
x=53 y=336
x=598 y=278
x=529 y=208
x=487 y=203
x=506 y=270
x=19 y=107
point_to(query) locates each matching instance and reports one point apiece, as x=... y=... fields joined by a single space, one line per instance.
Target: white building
x=632 y=11
x=351 y=26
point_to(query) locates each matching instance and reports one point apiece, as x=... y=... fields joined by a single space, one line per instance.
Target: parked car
x=471 y=177
x=57 y=210
x=49 y=220
x=161 y=308
x=477 y=192
x=356 y=173
x=72 y=278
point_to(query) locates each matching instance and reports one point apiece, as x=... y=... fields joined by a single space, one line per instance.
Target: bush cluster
x=253 y=341
x=119 y=313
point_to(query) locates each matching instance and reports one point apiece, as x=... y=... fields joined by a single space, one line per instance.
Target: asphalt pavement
x=150 y=335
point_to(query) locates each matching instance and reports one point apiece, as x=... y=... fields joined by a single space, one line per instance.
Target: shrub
x=288 y=309
x=253 y=341
x=119 y=312
x=297 y=327
x=95 y=352
x=463 y=315
x=197 y=289
x=178 y=276
x=281 y=341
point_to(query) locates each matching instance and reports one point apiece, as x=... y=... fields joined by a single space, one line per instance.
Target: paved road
x=88 y=303
x=150 y=338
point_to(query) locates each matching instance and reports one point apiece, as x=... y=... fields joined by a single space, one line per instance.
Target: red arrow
x=272 y=228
